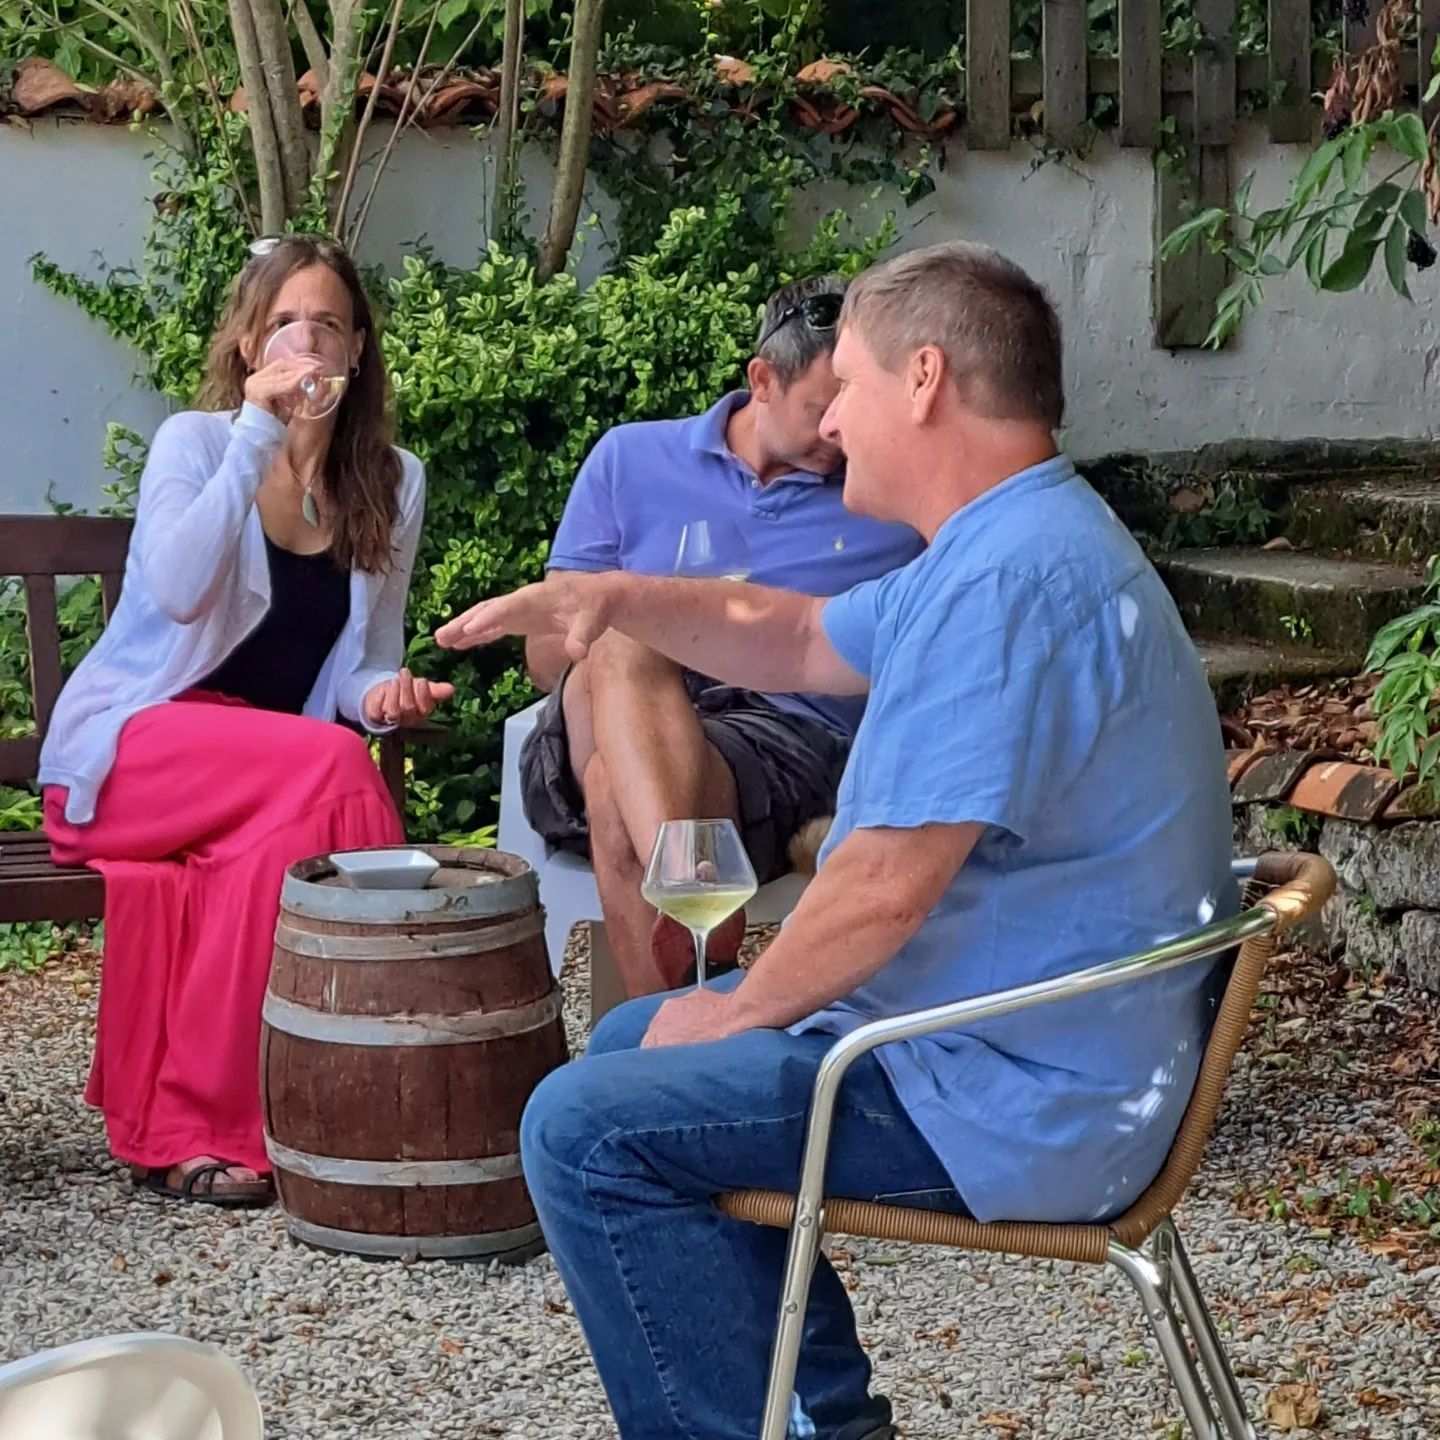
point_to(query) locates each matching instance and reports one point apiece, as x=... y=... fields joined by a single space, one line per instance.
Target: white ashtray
x=385 y=869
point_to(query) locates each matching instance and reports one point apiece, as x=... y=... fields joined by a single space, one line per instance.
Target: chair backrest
x=161 y=1386
x=1301 y=885
x=39 y=549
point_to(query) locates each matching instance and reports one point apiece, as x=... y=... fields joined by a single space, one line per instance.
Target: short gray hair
x=794 y=347
x=996 y=326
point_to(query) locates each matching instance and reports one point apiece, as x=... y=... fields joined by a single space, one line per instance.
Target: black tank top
x=275 y=667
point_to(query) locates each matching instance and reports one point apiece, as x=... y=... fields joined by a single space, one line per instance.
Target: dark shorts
x=786 y=768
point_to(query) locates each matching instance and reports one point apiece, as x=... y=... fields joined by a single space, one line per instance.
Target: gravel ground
x=1330 y=1310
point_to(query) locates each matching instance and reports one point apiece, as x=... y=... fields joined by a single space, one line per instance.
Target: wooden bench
x=40 y=549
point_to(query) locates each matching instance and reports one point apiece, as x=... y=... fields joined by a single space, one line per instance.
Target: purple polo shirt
x=644 y=481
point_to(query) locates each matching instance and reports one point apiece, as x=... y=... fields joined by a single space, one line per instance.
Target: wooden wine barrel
x=403 y=1032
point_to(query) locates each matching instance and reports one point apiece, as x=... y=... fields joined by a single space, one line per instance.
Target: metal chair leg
x=804 y=1250
x=1149 y=1284
x=1213 y=1359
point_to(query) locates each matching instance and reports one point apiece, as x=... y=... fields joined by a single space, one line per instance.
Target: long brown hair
x=362 y=470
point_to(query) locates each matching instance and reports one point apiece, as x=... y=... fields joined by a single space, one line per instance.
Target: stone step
x=1285 y=596
x=1241 y=669
x=1391 y=518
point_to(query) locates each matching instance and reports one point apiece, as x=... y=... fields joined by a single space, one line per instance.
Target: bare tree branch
x=337 y=98
x=270 y=172
x=278 y=63
x=311 y=42
x=212 y=90
x=574 y=138
x=342 y=203
x=507 y=119
x=395 y=130
x=449 y=67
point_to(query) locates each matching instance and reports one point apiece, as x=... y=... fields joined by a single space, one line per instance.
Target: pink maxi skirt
x=208 y=803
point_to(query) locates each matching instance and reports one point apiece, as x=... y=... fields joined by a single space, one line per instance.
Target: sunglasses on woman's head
x=269 y=244
x=820 y=312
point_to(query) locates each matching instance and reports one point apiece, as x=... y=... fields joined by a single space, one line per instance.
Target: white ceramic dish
x=385 y=869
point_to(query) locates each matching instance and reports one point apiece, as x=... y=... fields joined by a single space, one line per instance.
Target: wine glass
x=712 y=550
x=699 y=875
x=319 y=394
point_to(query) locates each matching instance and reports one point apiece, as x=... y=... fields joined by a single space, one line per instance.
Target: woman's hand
x=274 y=387
x=405 y=700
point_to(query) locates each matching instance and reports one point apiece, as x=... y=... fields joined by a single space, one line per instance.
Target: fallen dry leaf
x=1372 y=1399
x=1294 y=1407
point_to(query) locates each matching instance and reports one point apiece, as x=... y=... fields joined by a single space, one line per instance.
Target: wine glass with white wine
x=699 y=875
x=712 y=550
x=320 y=393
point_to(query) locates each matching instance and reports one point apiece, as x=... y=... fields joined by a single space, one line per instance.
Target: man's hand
x=693 y=1019
x=405 y=700
x=566 y=603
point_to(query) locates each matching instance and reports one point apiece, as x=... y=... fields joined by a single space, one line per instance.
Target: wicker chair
x=1143 y=1243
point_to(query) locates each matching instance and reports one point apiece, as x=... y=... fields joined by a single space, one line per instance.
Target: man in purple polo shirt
x=630 y=739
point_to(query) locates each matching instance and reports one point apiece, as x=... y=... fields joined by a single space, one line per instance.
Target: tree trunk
x=271 y=175
x=506 y=120
x=574 y=138
x=273 y=35
x=337 y=98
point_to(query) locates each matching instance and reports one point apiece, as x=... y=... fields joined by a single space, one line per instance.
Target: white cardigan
x=197 y=582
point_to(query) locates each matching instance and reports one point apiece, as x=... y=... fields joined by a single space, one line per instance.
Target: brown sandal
x=198 y=1187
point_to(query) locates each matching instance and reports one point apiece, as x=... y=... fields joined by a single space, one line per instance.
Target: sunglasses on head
x=269 y=244
x=820 y=312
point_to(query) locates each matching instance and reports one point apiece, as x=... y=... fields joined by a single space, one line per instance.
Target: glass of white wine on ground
x=321 y=392
x=699 y=875
x=712 y=550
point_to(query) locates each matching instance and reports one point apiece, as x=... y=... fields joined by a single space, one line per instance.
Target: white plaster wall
x=1356 y=366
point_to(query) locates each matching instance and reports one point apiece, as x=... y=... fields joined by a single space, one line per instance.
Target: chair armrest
x=1304 y=883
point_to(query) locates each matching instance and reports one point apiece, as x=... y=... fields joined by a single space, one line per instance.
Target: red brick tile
x=1344 y=790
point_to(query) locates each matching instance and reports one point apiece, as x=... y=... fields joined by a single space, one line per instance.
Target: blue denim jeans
x=624 y=1150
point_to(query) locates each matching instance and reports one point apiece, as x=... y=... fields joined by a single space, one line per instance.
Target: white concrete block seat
x=567 y=883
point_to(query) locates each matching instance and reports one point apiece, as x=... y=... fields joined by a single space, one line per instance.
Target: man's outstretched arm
x=746 y=635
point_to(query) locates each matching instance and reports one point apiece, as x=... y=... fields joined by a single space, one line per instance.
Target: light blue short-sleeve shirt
x=1029 y=672
x=644 y=481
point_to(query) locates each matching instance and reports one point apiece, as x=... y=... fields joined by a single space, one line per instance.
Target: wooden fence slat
x=1425 y=49
x=1186 y=288
x=1215 y=73
x=1289 y=112
x=1360 y=31
x=1062 y=47
x=1140 y=98
x=987 y=74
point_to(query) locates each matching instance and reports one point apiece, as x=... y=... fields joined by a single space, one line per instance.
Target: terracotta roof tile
x=1344 y=790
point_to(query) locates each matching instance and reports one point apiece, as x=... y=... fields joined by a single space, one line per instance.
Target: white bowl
x=385 y=869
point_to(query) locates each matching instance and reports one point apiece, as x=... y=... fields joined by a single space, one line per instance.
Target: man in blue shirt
x=1037 y=785
x=629 y=738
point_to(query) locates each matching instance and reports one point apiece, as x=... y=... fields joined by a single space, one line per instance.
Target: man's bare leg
x=660 y=764
x=618 y=873
x=667 y=770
